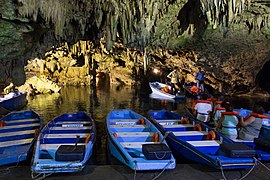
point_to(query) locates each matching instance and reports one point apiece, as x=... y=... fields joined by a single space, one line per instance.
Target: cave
x=263 y=78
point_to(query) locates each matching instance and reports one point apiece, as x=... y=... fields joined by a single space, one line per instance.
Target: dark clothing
x=200 y=76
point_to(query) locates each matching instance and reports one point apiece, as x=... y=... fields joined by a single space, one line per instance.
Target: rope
x=221 y=168
x=255 y=163
x=165 y=167
x=135 y=172
x=37 y=177
x=248 y=173
x=7 y=170
x=263 y=165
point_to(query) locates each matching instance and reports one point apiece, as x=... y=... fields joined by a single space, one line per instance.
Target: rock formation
x=230 y=38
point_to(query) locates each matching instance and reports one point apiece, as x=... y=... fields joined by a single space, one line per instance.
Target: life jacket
x=199 y=101
x=256 y=116
x=218 y=102
x=166 y=89
x=193 y=89
x=230 y=113
x=220 y=108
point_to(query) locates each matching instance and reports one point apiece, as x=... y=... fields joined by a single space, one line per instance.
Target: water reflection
x=99 y=102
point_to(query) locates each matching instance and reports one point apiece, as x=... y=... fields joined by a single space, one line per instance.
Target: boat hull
x=156 y=86
x=18 y=136
x=67 y=129
x=131 y=155
x=14 y=103
x=184 y=147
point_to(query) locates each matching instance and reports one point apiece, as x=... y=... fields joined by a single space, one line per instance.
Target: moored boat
x=157 y=87
x=13 y=101
x=136 y=142
x=18 y=132
x=65 y=144
x=192 y=140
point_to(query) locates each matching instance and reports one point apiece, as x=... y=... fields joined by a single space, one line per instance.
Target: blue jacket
x=200 y=76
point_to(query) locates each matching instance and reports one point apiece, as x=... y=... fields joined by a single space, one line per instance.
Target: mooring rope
x=135 y=170
x=165 y=167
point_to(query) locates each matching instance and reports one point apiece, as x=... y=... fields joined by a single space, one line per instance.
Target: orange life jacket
x=256 y=116
x=193 y=89
x=230 y=113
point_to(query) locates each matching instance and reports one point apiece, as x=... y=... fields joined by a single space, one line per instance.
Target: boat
x=13 y=101
x=129 y=135
x=157 y=87
x=192 y=140
x=65 y=144
x=261 y=155
x=18 y=132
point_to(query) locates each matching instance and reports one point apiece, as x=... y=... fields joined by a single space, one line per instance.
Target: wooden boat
x=192 y=140
x=156 y=88
x=18 y=132
x=65 y=144
x=128 y=134
x=13 y=101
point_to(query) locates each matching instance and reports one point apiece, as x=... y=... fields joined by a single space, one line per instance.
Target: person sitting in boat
x=166 y=89
x=203 y=108
x=227 y=124
x=174 y=76
x=251 y=125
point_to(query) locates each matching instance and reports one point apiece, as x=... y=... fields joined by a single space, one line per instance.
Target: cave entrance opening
x=263 y=77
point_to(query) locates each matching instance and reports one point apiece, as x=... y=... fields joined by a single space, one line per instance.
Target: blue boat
x=192 y=140
x=264 y=134
x=13 y=101
x=128 y=132
x=65 y=144
x=18 y=132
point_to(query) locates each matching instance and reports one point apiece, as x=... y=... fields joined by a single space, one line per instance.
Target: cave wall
x=231 y=37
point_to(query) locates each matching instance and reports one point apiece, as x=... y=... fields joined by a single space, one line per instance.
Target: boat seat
x=73 y=122
x=72 y=128
x=243 y=141
x=134 y=145
x=55 y=146
x=20 y=126
x=178 y=126
x=204 y=143
x=16 y=142
x=21 y=120
x=190 y=133
x=17 y=133
x=129 y=127
x=132 y=134
x=64 y=136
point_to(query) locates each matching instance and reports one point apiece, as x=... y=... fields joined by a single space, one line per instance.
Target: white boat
x=156 y=88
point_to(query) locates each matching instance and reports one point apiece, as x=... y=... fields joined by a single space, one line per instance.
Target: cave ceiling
x=31 y=27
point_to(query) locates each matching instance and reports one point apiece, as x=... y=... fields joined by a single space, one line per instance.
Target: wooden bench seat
x=204 y=143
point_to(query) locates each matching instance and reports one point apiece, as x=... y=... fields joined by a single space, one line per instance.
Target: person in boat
x=251 y=125
x=203 y=108
x=166 y=89
x=175 y=77
x=227 y=124
x=200 y=78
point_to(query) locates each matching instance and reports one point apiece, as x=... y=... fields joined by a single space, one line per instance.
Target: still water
x=100 y=101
